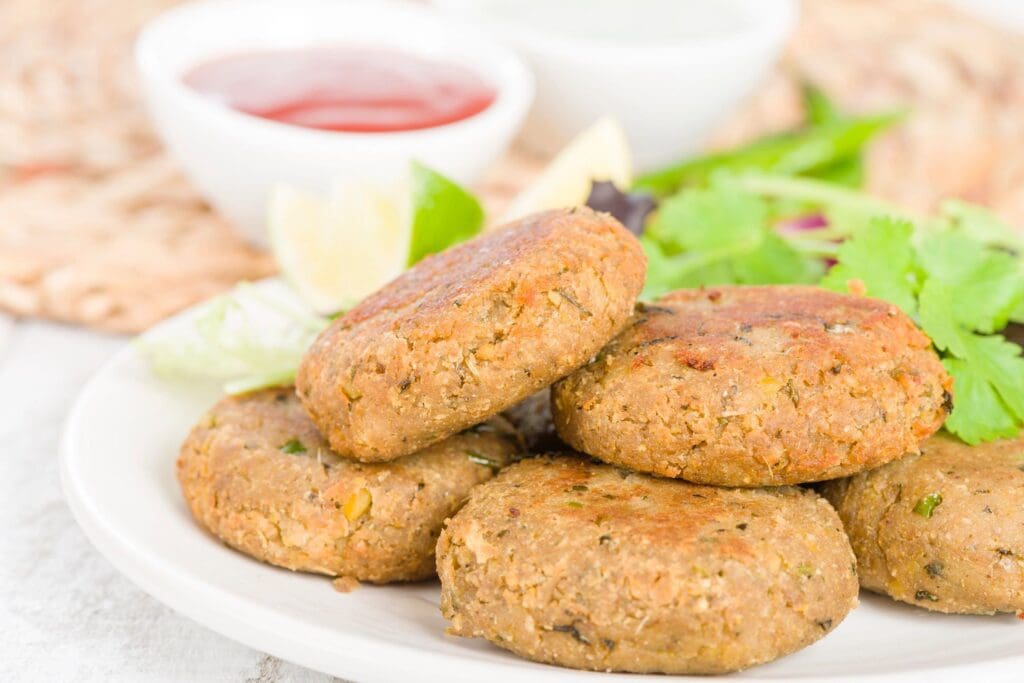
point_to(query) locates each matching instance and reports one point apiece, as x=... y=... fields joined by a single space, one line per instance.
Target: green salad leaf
x=250 y=340
x=829 y=147
x=882 y=258
x=785 y=209
x=245 y=339
x=955 y=274
x=961 y=290
x=719 y=235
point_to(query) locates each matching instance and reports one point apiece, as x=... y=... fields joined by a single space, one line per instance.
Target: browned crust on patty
x=314 y=511
x=469 y=332
x=967 y=554
x=571 y=562
x=751 y=386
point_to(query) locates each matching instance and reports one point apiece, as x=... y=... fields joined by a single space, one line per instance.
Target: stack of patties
x=741 y=392
x=762 y=386
x=400 y=400
x=687 y=549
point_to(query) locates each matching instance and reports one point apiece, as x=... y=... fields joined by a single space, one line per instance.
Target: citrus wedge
x=601 y=152
x=338 y=250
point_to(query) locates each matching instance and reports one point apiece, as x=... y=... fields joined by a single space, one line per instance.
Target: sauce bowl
x=235 y=159
x=668 y=70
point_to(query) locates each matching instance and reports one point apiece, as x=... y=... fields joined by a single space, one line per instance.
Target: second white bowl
x=668 y=70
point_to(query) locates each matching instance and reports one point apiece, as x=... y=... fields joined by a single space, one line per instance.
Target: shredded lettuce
x=246 y=339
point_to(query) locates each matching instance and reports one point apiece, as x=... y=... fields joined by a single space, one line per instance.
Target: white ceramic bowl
x=235 y=158
x=668 y=88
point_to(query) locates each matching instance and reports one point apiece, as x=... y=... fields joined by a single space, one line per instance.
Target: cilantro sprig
x=961 y=291
x=959 y=274
x=785 y=209
x=718 y=235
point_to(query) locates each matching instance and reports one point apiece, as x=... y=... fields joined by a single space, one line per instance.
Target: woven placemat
x=98 y=228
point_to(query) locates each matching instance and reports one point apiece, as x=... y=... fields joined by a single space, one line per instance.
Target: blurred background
x=100 y=229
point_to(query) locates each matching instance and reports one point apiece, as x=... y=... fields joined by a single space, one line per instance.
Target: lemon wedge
x=337 y=250
x=601 y=152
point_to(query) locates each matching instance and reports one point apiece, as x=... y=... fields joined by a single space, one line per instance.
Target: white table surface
x=65 y=612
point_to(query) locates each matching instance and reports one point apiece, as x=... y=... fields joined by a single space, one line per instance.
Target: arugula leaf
x=882 y=258
x=819 y=108
x=849 y=172
x=813 y=150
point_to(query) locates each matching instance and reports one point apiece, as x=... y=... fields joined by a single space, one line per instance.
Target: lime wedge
x=601 y=152
x=338 y=250
x=443 y=213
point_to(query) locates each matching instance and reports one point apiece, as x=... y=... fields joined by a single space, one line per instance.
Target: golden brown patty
x=256 y=473
x=943 y=530
x=570 y=562
x=752 y=386
x=469 y=332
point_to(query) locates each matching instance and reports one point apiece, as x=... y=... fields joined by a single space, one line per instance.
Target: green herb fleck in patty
x=293 y=446
x=926 y=506
x=481 y=459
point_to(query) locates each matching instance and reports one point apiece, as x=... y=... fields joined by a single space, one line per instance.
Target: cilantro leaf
x=882 y=257
x=719 y=235
x=1000 y=361
x=980 y=224
x=979 y=414
x=666 y=273
x=775 y=261
x=988 y=388
x=987 y=285
x=720 y=217
x=957 y=287
x=937 y=319
x=960 y=275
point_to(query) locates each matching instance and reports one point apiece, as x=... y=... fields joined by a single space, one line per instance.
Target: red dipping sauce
x=353 y=89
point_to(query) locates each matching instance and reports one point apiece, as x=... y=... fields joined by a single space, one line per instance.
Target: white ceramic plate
x=117 y=468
